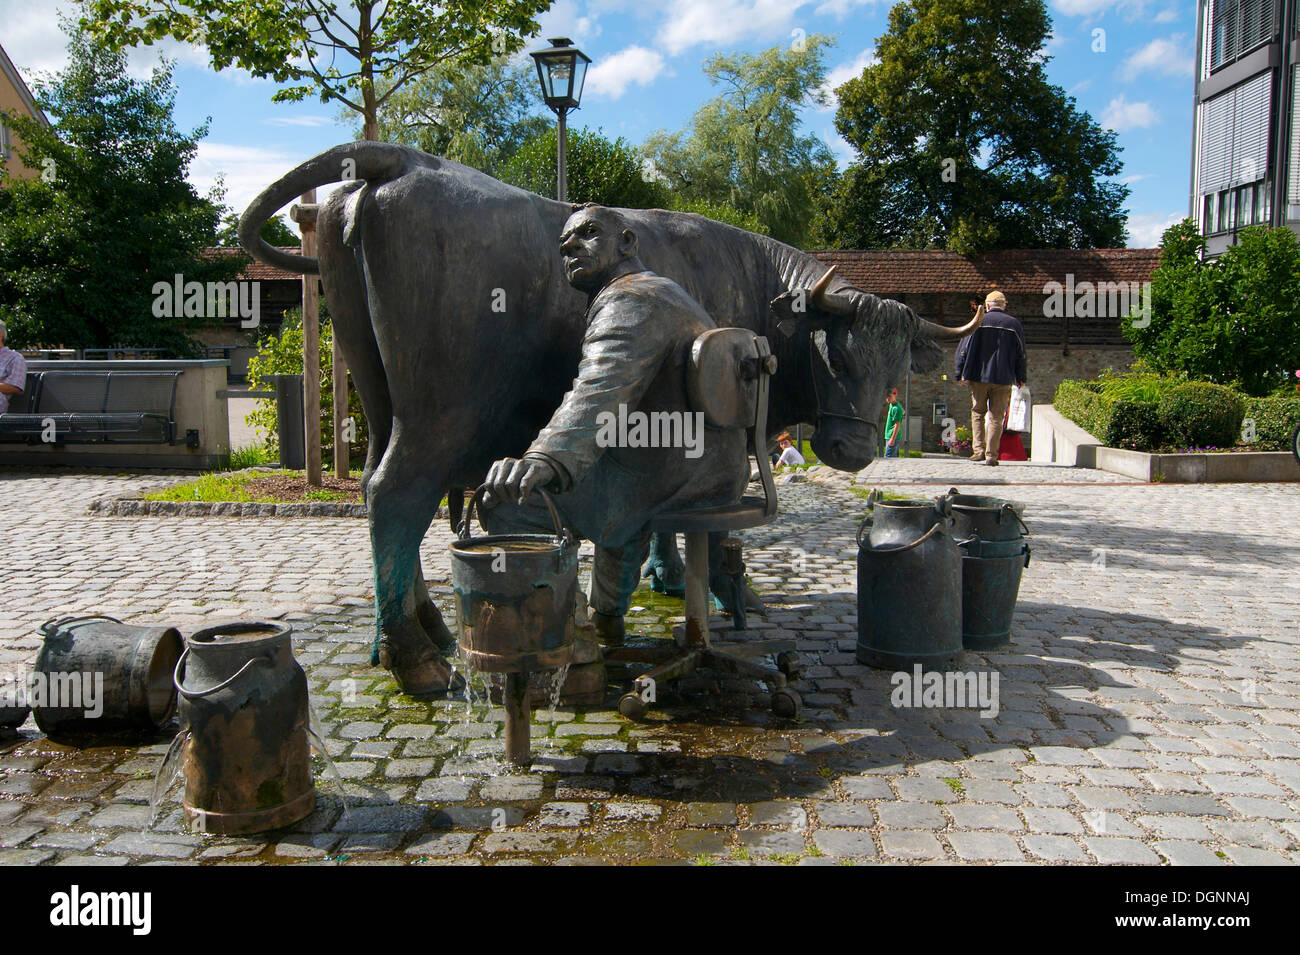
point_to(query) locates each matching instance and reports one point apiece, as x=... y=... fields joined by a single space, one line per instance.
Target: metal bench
x=90 y=407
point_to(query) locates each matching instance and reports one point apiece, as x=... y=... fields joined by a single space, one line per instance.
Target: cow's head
x=860 y=347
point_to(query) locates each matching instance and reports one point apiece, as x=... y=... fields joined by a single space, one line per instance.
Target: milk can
x=95 y=675
x=246 y=758
x=909 y=586
x=995 y=552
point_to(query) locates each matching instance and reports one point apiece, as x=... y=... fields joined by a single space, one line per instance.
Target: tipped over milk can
x=246 y=759
x=515 y=597
x=995 y=552
x=95 y=675
x=909 y=586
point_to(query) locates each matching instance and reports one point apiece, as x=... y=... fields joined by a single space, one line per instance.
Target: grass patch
x=953 y=783
x=254 y=456
x=219 y=486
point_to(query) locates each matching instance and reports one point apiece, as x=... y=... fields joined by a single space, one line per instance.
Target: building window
x=4 y=141
x=1237 y=27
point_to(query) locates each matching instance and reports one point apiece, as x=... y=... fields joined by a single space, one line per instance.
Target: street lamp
x=561 y=69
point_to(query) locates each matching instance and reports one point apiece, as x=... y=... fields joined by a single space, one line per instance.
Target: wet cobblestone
x=1149 y=700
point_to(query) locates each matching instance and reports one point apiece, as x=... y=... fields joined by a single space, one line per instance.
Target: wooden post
x=342 y=447
x=306 y=218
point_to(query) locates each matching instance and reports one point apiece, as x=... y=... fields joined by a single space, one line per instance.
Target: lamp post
x=561 y=69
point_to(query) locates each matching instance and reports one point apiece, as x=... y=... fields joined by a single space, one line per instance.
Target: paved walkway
x=1149 y=704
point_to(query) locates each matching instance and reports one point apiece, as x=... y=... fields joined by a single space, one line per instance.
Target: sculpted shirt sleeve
x=622 y=351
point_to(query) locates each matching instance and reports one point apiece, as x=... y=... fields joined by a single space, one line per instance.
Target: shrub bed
x=1275 y=418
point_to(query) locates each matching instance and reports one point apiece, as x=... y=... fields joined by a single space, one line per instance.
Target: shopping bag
x=1018 y=412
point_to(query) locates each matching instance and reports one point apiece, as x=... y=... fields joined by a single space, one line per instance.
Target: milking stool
x=727 y=380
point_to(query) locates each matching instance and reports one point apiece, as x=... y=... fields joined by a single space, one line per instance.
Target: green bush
x=1120 y=411
x=1234 y=320
x=1199 y=414
x=282 y=355
x=1275 y=418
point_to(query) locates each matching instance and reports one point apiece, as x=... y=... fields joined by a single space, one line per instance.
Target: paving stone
x=444 y=789
x=382 y=819
x=623 y=812
x=544 y=842
x=1052 y=821
x=911 y=815
x=695 y=842
x=845 y=843
x=767 y=842
x=984 y=847
x=564 y=814
x=511 y=789
x=904 y=844
x=1123 y=851
x=866 y=787
x=926 y=790
x=1055 y=848
x=985 y=817
x=710 y=814
x=1259 y=835
x=1243 y=855
x=441 y=844
x=1182 y=852
x=833 y=815
x=1176 y=803
x=153 y=844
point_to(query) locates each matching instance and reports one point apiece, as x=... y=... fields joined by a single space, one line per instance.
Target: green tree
x=1234 y=320
x=600 y=170
x=963 y=143
x=746 y=148
x=275 y=231
x=341 y=52
x=82 y=245
x=479 y=115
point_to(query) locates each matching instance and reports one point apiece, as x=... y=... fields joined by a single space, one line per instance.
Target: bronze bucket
x=515 y=595
x=246 y=758
x=123 y=671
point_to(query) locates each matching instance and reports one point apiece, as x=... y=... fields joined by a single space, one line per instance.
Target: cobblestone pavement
x=1149 y=703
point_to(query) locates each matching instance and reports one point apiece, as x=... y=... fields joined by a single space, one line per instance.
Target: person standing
x=990 y=360
x=893 y=425
x=13 y=371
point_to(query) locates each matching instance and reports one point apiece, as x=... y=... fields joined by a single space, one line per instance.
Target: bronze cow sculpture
x=451 y=307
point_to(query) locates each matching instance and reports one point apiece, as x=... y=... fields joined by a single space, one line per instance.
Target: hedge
x=1145 y=412
x=1275 y=418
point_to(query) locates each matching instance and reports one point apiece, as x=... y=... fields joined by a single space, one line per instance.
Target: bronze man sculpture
x=640 y=328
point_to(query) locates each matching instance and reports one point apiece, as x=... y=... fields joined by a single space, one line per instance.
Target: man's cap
x=995 y=299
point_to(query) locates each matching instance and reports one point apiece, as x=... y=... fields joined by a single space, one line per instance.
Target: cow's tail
x=368 y=161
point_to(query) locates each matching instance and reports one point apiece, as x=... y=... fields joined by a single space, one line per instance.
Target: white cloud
x=1166 y=16
x=1146 y=228
x=1168 y=55
x=246 y=170
x=1121 y=115
x=301 y=121
x=843 y=73
x=566 y=18
x=1131 y=9
x=610 y=76
x=689 y=23
x=842 y=8
x=1135 y=177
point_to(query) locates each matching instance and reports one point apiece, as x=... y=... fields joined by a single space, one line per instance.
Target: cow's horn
x=833 y=302
x=931 y=330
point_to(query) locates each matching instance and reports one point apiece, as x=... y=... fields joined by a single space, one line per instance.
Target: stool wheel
x=632 y=706
x=785 y=703
x=788 y=663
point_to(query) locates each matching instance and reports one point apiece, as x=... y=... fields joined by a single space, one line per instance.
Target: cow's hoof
x=434 y=626
x=610 y=631
x=419 y=674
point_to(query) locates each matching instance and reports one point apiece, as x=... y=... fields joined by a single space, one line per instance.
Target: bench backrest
x=21 y=404
x=101 y=392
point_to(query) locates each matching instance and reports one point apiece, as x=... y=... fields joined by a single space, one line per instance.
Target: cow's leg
x=403 y=500
x=430 y=617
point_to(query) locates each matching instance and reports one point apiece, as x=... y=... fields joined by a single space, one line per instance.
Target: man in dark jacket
x=991 y=359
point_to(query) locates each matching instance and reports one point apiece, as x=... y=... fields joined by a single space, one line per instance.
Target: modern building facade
x=15 y=97
x=1246 y=133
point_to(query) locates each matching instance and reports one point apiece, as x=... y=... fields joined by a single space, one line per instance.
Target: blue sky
x=1134 y=76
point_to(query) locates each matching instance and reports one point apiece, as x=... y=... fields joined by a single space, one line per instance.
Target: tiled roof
x=258 y=270
x=1014 y=271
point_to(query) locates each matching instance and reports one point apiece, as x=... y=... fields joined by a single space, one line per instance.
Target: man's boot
x=609 y=630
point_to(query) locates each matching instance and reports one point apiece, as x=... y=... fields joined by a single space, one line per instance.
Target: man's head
x=995 y=299
x=3 y=332
x=597 y=246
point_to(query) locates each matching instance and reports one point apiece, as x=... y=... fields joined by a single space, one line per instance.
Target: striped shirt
x=13 y=371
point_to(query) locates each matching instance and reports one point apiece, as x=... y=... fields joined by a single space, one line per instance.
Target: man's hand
x=513 y=479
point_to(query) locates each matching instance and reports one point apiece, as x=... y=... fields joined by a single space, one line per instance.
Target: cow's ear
x=926 y=356
x=793 y=311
